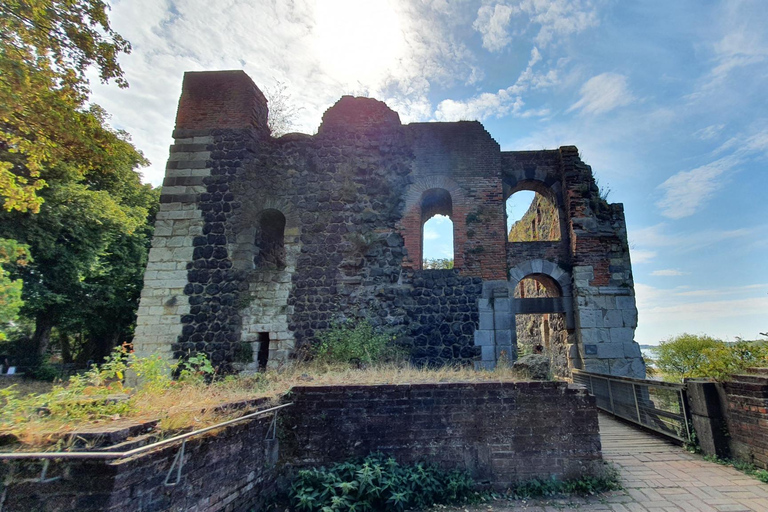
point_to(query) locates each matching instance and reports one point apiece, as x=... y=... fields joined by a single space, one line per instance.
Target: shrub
x=691 y=356
x=354 y=342
x=378 y=482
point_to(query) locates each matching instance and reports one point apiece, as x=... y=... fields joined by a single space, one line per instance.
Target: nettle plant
x=378 y=482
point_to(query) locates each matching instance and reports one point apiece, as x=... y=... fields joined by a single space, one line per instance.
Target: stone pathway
x=657 y=477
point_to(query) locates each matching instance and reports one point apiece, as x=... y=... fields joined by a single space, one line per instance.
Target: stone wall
x=269 y=241
x=499 y=432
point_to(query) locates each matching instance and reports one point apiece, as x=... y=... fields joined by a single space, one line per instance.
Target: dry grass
x=188 y=406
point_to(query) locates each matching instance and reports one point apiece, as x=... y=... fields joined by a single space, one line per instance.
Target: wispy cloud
x=664 y=312
x=505 y=102
x=669 y=272
x=642 y=256
x=554 y=20
x=687 y=191
x=603 y=93
x=662 y=236
x=493 y=23
x=709 y=132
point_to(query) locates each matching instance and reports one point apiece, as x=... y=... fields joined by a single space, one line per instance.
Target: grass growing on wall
x=101 y=399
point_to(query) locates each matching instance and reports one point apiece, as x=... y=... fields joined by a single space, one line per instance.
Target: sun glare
x=358 y=40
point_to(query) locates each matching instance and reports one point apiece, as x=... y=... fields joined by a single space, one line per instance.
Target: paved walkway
x=657 y=477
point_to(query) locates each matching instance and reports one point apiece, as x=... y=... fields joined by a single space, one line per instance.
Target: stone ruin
x=267 y=241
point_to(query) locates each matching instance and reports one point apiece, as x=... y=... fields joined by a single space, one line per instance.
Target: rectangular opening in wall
x=544 y=333
x=263 y=356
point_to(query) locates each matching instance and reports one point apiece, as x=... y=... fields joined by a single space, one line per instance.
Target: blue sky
x=665 y=100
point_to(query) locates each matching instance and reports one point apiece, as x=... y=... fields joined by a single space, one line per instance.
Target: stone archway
x=496 y=334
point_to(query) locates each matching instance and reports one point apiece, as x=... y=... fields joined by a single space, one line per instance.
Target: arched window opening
x=270 y=243
x=437 y=229
x=532 y=217
x=537 y=286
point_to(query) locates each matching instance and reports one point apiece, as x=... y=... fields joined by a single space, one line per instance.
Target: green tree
x=437 y=264
x=684 y=355
x=12 y=254
x=46 y=48
x=89 y=242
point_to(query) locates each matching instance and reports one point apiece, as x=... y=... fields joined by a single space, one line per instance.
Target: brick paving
x=657 y=477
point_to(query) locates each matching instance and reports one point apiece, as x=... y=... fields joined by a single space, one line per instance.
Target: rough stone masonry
x=267 y=241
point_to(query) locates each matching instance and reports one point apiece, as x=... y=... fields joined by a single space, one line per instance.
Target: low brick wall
x=747 y=418
x=731 y=418
x=498 y=432
x=232 y=470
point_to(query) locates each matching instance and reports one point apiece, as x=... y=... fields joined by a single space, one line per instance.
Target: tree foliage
x=12 y=254
x=437 y=264
x=68 y=182
x=700 y=356
x=46 y=48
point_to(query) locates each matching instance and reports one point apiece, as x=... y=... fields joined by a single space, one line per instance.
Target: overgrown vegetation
x=744 y=467
x=378 y=482
x=102 y=396
x=355 y=342
x=586 y=486
x=700 y=356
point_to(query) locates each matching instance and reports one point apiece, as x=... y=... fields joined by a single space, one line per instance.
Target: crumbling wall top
x=351 y=113
x=221 y=100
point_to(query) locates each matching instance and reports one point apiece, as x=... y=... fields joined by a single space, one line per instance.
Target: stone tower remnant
x=267 y=241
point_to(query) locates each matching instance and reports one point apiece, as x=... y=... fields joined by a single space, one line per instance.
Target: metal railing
x=174 y=473
x=659 y=406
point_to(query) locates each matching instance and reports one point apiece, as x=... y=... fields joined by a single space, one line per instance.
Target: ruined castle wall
x=606 y=314
x=263 y=240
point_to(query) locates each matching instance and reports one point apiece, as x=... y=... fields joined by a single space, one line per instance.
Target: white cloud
x=431 y=235
x=505 y=102
x=555 y=20
x=399 y=52
x=641 y=256
x=493 y=22
x=709 y=132
x=687 y=191
x=667 y=312
x=659 y=236
x=669 y=272
x=603 y=93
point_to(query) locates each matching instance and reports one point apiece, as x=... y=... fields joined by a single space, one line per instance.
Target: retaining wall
x=498 y=432
x=731 y=418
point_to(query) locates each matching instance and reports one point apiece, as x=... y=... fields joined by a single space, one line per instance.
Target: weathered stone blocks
x=348 y=211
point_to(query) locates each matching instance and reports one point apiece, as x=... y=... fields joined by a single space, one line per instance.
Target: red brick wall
x=499 y=432
x=220 y=100
x=747 y=418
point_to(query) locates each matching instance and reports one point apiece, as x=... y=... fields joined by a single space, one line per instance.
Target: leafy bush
x=99 y=393
x=354 y=342
x=378 y=483
x=586 y=486
x=692 y=356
